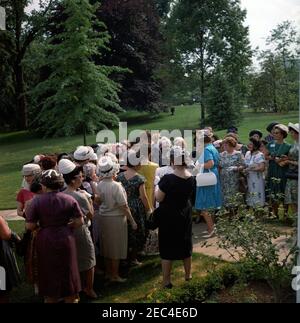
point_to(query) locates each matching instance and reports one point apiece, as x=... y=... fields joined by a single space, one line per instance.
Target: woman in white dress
x=255 y=166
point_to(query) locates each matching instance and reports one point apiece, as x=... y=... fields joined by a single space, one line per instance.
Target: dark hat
x=255 y=132
x=271 y=126
x=233 y=129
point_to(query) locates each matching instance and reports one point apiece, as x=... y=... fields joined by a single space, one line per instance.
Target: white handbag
x=206 y=179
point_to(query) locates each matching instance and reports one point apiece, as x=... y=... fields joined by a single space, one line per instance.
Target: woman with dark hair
x=277 y=152
x=255 y=166
x=138 y=203
x=57 y=214
x=86 y=258
x=208 y=198
x=175 y=197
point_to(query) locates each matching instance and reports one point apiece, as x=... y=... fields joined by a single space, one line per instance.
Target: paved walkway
x=10 y=215
x=199 y=231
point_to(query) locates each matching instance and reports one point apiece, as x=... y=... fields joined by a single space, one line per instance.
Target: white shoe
x=210 y=235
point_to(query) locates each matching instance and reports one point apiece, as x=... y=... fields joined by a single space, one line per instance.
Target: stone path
x=10 y=215
x=199 y=231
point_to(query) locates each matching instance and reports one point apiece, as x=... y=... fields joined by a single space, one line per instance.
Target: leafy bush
x=246 y=238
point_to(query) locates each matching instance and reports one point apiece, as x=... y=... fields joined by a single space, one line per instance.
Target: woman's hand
x=134 y=225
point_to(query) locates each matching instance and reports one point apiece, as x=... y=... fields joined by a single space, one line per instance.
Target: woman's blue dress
x=209 y=197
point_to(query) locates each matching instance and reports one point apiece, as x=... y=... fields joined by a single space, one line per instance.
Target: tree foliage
x=206 y=34
x=135 y=43
x=78 y=94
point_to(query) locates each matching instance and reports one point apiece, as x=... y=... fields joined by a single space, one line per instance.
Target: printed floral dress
x=291 y=189
x=255 y=180
x=230 y=176
x=136 y=239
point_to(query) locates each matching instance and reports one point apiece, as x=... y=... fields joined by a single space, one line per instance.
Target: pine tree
x=221 y=110
x=78 y=95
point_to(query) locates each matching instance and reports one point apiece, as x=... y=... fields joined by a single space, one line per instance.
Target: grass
x=142 y=285
x=18 y=148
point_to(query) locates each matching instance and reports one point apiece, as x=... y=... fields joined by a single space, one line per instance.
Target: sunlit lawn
x=19 y=148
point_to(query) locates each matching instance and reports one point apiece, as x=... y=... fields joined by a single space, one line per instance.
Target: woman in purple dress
x=57 y=214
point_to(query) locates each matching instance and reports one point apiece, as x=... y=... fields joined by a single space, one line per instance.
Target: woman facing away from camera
x=175 y=197
x=86 y=258
x=57 y=215
x=114 y=214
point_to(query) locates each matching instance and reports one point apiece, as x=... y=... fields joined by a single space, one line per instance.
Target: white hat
x=37 y=158
x=107 y=167
x=282 y=127
x=31 y=169
x=65 y=166
x=94 y=157
x=294 y=126
x=83 y=153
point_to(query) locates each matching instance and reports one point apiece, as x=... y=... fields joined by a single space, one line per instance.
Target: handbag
x=152 y=221
x=243 y=185
x=206 y=179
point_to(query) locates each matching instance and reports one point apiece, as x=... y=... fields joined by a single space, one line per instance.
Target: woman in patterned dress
x=255 y=166
x=291 y=189
x=231 y=163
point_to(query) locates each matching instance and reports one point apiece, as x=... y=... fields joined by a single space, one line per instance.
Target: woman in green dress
x=277 y=152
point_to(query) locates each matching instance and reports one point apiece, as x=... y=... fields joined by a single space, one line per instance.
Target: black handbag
x=152 y=221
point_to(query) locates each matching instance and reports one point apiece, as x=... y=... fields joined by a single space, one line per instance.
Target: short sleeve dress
x=255 y=180
x=276 y=179
x=230 y=177
x=58 y=274
x=209 y=197
x=84 y=244
x=175 y=217
x=112 y=222
x=137 y=238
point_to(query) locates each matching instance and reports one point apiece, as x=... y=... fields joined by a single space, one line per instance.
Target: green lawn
x=18 y=148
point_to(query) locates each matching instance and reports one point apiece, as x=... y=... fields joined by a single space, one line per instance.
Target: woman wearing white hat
x=25 y=195
x=114 y=214
x=85 y=248
x=291 y=189
x=82 y=155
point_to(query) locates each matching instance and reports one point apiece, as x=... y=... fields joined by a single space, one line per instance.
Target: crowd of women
x=87 y=210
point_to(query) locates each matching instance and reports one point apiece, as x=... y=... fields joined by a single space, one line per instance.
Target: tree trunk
x=20 y=96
